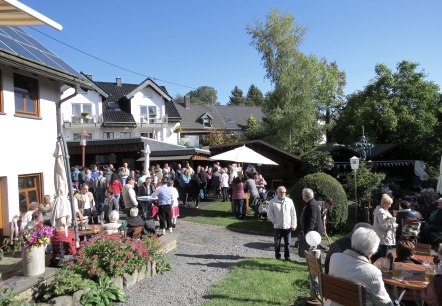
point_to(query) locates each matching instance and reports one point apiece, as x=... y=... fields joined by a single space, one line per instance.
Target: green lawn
x=218 y=213
x=262 y=282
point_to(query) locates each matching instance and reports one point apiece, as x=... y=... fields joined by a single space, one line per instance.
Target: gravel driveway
x=202 y=258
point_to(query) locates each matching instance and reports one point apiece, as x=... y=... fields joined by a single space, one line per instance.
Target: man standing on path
x=282 y=214
x=129 y=195
x=311 y=219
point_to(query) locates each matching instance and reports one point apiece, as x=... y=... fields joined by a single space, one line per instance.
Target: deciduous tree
x=204 y=94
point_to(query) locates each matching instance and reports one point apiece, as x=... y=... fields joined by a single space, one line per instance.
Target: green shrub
x=65 y=282
x=110 y=255
x=153 y=244
x=324 y=186
x=103 y=293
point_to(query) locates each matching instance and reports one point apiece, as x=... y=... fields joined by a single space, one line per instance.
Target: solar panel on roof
x=15 y=40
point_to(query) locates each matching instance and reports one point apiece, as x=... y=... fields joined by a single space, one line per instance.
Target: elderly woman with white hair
x=354 y=265
x=384 y=224
x=113 y=226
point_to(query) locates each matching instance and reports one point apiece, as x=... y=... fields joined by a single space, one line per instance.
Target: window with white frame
x=124 y=134
x=148 y=113
x=79 y=108
x=108 y=135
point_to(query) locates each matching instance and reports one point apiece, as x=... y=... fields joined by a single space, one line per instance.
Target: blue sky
x=196 y=42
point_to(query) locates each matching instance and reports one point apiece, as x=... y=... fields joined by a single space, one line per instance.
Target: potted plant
x=85 y=116
x=33 y=240
x=178 y=129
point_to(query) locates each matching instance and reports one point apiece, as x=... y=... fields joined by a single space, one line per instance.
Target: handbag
x=153 y=211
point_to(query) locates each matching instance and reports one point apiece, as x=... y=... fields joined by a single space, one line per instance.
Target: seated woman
x=405 y=252
x=113 y=225
x=354 y=265
x=406 y=213
x=134 y=220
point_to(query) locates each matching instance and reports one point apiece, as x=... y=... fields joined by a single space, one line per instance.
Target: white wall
x=27 y=144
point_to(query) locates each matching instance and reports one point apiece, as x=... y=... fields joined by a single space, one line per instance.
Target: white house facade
x=30 y=84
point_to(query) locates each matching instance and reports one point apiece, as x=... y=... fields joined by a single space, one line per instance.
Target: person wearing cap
x=129 y=195
x=165 y=198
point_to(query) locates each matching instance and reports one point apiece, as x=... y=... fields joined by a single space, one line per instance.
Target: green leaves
x=103 y=293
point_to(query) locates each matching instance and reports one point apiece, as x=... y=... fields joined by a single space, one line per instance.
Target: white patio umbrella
x=439 y=181
x=61 y=213
x=244 y=155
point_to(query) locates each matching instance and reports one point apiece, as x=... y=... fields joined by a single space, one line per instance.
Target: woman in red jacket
x=117 y=187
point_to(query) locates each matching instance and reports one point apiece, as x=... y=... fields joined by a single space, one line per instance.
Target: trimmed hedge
x=324 y=186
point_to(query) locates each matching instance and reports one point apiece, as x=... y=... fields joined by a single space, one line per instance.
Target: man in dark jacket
x=311 y=219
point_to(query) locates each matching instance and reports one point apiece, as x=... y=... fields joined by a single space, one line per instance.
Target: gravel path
x=202 y=258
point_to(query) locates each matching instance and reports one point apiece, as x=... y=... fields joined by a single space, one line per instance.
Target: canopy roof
x=14 y=13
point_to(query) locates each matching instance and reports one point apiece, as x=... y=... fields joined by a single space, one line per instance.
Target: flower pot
x=33 y=260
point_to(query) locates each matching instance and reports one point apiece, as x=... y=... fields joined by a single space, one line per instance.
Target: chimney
x=89 y=76
x=187 y=101
x=118 y=81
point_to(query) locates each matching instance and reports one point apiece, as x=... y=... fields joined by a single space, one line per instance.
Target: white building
x=31 y=78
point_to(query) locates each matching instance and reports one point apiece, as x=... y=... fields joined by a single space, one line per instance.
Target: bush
x=153 y=244
x=109 y=255
x=65 y=282
x=324 y=186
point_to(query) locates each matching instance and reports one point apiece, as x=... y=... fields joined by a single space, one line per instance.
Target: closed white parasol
x=61 y=213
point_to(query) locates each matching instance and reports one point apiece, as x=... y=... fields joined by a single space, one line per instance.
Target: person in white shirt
x=282 y=214
x=27 y=217
x=354 y=265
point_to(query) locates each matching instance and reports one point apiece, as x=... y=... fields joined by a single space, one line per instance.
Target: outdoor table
x=413 y=280
x=92 y=231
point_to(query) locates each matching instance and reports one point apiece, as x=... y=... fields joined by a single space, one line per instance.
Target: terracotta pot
x=33 y=260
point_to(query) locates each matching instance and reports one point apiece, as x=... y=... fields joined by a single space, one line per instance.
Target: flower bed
x=110 y=255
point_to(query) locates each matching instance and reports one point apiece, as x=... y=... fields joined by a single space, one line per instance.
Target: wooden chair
x=315 y=270
x=135 y=232
x=422 y=249
x=342 y=291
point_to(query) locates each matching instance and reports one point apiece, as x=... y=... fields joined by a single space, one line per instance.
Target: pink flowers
x=110 y=255
x=35 y=235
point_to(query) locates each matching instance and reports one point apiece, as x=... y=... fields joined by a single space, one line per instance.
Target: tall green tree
x=237 y=97
x=204 y=94
x=396 y=107
x=254 y=96
x=329 y=97
x=291 y=116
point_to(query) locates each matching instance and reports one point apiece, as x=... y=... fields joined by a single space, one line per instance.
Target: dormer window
x=206 y=119
x=207 y=122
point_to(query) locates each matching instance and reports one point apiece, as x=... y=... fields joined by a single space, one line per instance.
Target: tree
x=204 y=94
x=317 y=161
x=330 y=94
x=399 y=107
x=291 y=109
x=237 y=97
x=220 y=136
x=253 y=129
x=254 y=96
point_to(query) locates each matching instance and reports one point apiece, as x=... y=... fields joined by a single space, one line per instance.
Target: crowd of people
x=100 y=191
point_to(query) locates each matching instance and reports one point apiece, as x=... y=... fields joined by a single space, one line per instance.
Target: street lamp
x=354 y=164
x=83 y=143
